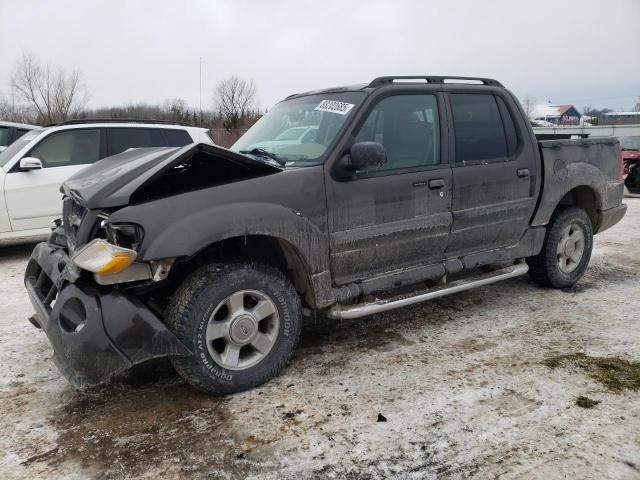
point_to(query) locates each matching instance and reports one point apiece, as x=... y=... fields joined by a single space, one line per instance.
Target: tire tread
x=181 y=315
x=543 y=268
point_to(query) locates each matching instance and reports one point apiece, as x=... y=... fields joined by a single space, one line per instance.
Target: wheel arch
x=275 y=251
x=586 y=198
x=578 y=184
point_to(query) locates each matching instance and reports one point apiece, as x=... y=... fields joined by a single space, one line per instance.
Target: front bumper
x=95 y=333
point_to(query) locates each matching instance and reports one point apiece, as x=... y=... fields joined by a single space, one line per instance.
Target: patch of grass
x=615 y=373
x=586 y=402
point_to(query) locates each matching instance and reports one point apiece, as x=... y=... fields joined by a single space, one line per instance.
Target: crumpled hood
x=112 y=181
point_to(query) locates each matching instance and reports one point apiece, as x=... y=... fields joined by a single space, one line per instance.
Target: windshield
x=16 y=146
x=292 y=134
x=300 y=129
x=630 y=143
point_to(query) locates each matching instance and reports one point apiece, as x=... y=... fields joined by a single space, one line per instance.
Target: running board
x=340 y=312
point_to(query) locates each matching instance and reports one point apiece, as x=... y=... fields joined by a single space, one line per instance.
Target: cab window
x=408 y=128
x=479 y=131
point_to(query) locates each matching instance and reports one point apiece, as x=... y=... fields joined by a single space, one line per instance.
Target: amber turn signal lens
x=100 y=256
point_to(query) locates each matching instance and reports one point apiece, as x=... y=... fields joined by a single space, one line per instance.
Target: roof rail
x=378 y=82
x=119 y=120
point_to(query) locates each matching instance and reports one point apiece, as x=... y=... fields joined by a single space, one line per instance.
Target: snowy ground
x=460 y=382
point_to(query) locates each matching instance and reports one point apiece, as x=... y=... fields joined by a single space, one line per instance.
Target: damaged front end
x=95 y=333
x=82 y=281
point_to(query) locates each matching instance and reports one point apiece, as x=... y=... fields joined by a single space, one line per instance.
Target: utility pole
x=201 y=91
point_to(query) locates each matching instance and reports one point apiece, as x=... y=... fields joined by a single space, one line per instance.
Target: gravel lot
x=460 y=381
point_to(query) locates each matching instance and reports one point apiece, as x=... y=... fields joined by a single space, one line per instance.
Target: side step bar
x=340 y=312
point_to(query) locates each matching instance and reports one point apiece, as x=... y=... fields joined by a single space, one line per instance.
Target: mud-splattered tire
x=242 y=321
x=566 y=250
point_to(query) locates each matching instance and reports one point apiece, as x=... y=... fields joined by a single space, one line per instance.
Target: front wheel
x=241 y=321
x=566 y=251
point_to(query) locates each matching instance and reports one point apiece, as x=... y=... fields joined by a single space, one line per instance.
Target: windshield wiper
x=263 y=153
x=631 y=149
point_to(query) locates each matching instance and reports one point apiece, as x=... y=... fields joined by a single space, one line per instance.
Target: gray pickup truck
x=410 y=188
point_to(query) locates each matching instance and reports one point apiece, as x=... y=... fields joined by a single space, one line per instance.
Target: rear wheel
x=566 y=251
x=241 y=321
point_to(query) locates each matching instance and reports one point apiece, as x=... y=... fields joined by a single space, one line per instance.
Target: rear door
x=399 y=215
x=494 y=171
x=33 y=197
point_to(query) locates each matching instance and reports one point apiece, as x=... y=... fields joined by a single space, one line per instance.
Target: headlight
x=122 y=235
x=100 y=256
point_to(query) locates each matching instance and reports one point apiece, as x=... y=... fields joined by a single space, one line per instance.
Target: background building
x=556 y=114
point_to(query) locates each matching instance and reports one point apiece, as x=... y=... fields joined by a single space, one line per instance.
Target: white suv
x=33 y=167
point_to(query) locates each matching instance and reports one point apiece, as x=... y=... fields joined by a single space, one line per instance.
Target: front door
x=398 y=215
x=33 y=197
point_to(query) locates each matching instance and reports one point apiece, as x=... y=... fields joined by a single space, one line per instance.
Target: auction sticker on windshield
x=341 y=108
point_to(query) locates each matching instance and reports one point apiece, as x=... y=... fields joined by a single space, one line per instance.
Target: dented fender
x=184 y=224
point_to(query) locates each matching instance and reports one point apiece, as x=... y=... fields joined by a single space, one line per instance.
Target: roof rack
x=378 y=82
x=119 y=120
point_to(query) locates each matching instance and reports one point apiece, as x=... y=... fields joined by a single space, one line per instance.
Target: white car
x=291 y=136
x=33 y=167
x=10 y=132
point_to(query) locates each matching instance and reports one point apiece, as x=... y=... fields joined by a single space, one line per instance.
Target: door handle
x=522 y=172
x=420 y=184
x=436 y=183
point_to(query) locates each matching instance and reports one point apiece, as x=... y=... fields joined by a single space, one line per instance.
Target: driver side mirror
x=30 y=163
x=365 y=156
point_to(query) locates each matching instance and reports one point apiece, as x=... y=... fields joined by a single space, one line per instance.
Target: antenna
x=201 y=91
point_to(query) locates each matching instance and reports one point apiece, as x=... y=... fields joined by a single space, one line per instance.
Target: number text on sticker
x=341 y=108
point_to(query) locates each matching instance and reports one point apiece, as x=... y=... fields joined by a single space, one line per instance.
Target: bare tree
x=54 y=94
x=529 y=105
x=176 y=109
x=14 y=112
x=235 y=100
x=636 y=107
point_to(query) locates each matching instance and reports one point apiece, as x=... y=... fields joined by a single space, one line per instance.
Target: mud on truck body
x=212 y=257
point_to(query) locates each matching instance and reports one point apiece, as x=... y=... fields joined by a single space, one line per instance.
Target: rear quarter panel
x=568 y=164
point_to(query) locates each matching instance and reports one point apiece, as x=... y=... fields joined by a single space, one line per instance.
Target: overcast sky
x=584 y=52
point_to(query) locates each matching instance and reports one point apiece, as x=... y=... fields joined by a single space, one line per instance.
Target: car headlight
x=122 y=235
x=100 y=256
